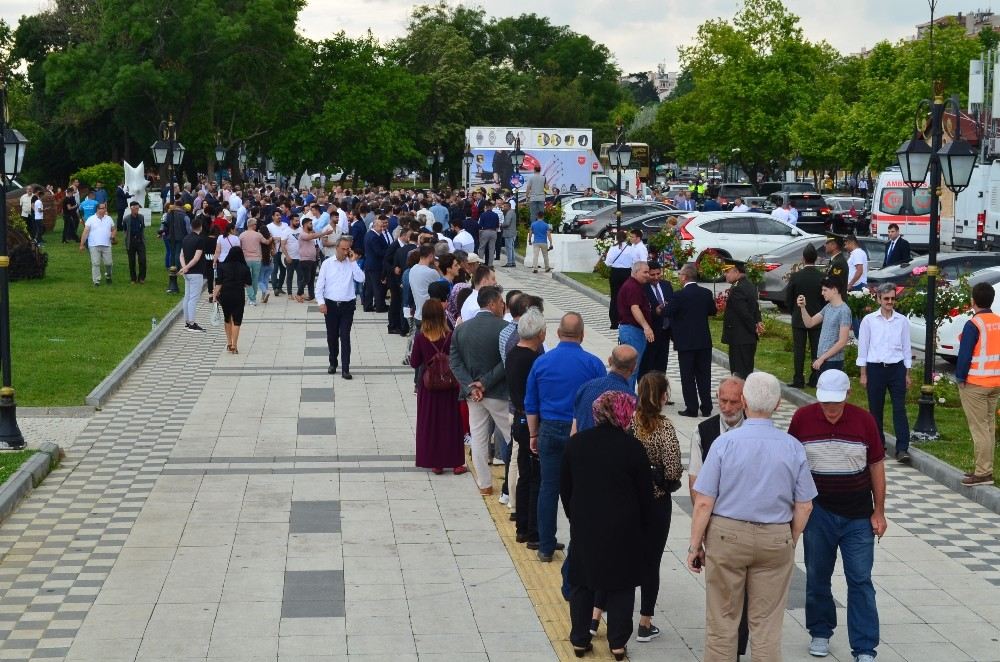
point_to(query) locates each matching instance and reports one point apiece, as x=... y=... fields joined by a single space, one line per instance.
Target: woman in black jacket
x=607 y=493
x=234 y=276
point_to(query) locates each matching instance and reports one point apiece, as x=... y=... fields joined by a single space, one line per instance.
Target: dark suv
x=814 y=213
x=767 y=188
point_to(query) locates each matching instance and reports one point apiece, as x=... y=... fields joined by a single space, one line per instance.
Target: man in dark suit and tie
x=377 y=241
x=689 y=310
x=741 y=323
x=806 y=281
x=658 y=292
x=897 y=251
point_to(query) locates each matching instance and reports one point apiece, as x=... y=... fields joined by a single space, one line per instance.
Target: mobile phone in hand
x=696 y=563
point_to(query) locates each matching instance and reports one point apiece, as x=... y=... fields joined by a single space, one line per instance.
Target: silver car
x=602 y=222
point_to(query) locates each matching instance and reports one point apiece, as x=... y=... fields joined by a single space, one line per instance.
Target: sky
x=640 y=33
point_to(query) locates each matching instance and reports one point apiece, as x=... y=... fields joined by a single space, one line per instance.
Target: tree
x=641 y=88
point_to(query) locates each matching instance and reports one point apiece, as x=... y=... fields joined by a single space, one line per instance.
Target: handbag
x=668 y=485
x=437 y=373
x=216 y=318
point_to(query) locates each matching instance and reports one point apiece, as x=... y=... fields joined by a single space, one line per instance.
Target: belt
x=743 y=521
x=883 y=364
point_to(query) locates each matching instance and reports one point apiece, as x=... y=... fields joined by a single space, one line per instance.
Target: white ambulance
x=972 y=207
x=895 y=202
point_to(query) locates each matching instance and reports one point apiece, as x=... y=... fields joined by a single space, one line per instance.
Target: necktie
x=892 y=245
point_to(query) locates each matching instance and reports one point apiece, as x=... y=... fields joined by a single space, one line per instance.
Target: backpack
x=437 y=373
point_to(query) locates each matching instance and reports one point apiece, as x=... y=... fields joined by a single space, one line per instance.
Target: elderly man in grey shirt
x=508 y=230
x=753 y=498
x=534 y=190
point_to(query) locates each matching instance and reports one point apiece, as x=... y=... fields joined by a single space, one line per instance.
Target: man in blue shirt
x=541 y=240
x=622 y=364
x=548 y=403
x=441 y=214
x=89 y=206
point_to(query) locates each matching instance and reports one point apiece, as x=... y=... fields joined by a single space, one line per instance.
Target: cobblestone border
x=927 y=464
x=103 y=391
x=28 y=477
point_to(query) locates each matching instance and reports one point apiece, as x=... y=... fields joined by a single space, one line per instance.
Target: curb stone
x=103 y=391
x=922 y=461
x=28 y=477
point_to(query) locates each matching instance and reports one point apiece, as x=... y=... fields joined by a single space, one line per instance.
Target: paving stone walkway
x=252 y=507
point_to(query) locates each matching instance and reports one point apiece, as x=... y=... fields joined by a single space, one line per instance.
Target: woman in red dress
x=439 y=426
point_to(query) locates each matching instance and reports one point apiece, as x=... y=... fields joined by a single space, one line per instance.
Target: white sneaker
x=505 y=499
x=865 y=658
x=468 y=439
x=498 y=462
x=820 y=647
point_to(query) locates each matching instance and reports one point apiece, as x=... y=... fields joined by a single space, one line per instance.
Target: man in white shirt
x=885 y=359
x=783 y=213
x=335 y=288
x=39 y=214
x=26 y=207
x=279 y=233
x=793 y=213
x=740 y=206
x=422 y=274
x=638 y=250
x=462 y=241
x=484 y=276
x=98 y=235
x=857 y=264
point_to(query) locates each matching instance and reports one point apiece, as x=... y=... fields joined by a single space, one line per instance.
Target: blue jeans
x=825 y=533
x=509 y=243
x=629 y=334
x=552 y=438
x=251 y=289
x=265 y=277
x=892 y=378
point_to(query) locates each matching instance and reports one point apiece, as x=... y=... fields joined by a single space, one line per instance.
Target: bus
x=638 y=162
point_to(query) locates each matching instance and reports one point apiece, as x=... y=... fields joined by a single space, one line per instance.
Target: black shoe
x=513 y=517
x=647 y=634
x=534 y=545
x=368 y=310
x=346 y=374
x=544 y=558
x=381 y=310
x=613 y=326
x=594 y=624
x=688 y=412
x=189 y=327
x=580 y=651
x=796 y=384
x=332 y=370
x=521 y=538
x=903 y=457
x=706 y=412
x=195 y=327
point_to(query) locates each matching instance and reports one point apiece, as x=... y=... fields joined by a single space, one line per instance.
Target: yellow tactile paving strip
x=543 y=582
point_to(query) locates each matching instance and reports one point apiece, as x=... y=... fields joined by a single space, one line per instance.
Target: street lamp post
x=619 y=155
x=735 y=164
x=796 y=163
x=430 y=170
x=241 y=156
x=13 y=147
x=467 y=159
x=953 y=165
x=517 y=160
x=168 y=150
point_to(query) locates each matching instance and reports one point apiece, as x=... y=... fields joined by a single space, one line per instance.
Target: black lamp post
x=952 y=164
x=220 y=149
x=796 y=163
x=168 y=150
x=467 y=159
x=735 y=164
x=619 y=155
x=13 y=148
x=241 y=156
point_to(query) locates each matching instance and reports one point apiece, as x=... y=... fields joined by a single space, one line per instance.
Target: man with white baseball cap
x=846 y=457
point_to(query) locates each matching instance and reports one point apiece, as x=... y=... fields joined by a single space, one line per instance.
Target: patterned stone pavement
x=252 y=507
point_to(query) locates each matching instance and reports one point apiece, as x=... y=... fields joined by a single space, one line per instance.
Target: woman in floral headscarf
x=607 y=493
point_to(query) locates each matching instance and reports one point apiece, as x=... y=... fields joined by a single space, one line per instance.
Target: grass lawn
x=66 y=334
x=11 y=462
x=774 y=356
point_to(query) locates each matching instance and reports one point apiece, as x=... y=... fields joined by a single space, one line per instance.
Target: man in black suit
x=897 y=251
x=689 y=310
x=805 y=281
x=658 y=292
x=741 y=323
x=395 y=265
x=377 y=241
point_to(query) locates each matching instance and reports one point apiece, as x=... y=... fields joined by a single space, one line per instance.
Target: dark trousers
x=339 y=319
x=657 y=353
x=307 y=277
x=741 y=359
x=70 y=224
x=618 y=606
x=799 y=337
x=137 y=253
x=656 y=541
x=397 y=321
x=173 y=253
x=528 y=481
x=278 y=275
x=373 y=296
x=616 y=280
x=892 y=378
x=696 y=378
x=290 y=272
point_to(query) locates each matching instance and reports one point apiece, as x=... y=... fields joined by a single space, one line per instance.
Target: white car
x=951 y=329
x=736 y=236
x=573 y=207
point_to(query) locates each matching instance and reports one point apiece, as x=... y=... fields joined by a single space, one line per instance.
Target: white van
x=971 y=209
x=895 y=202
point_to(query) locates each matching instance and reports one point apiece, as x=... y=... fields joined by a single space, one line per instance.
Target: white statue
x=136 y=183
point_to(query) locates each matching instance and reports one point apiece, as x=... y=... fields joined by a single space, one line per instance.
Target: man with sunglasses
x=884 y=358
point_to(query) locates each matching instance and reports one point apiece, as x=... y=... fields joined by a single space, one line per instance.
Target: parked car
x=814 y=213
x=573 y=207
x=948 y=336
x=602 y=222
x=952 y=267
x=780 y=263
x=732 y=191
x=560 y=199
x=736 y=236
x=653 y=222
x=847 y=215
x=767 y=188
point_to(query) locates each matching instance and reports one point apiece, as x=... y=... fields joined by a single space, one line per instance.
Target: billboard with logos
x=504 y=137
x=565 y=156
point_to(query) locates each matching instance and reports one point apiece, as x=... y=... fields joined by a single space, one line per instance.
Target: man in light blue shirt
x=548 y=403
x=441 y=214
x=753 y=498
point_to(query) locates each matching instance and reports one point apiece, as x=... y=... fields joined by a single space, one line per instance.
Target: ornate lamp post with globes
x=168 y=150
x=13 y=147
x=619 y=155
